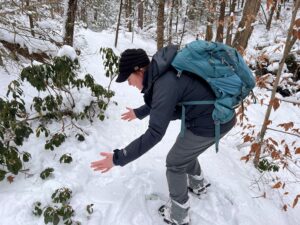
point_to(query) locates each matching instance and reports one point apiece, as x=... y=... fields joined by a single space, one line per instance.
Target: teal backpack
x=224 y=69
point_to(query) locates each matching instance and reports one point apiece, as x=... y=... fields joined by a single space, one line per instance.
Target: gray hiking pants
x=182 y=161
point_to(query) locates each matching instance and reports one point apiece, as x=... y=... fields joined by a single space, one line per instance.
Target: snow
x=68 y=51
x=273 y=67
x=121 y=196
x=12 y=35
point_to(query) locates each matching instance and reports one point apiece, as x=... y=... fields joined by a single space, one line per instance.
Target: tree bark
x=220 y=29
x=177 y=18
x=279 y=9
x=1 y=61
x=274 y=4
x=211 y=6
x=70 y=22
x=288 y=46
x=118 y=24
x=183 y=29
x=191 y=12
x=230 y=23
x=245 y=27
x=242 y=4
x=141 y=14
x=160 y=24
x=22 y=6
x=171 y=23
x=83 y=11
x=128 y=15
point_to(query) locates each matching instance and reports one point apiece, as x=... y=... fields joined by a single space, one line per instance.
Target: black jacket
x=163 y=90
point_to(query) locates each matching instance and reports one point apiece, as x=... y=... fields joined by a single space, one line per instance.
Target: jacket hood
x=159 y=64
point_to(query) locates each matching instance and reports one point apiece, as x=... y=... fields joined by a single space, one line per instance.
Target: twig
x=268 y=128
x=289 y=101
x=79 y=128
x=262 y=8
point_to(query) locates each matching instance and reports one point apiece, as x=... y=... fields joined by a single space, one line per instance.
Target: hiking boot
x=174 y=213
x=197 y=184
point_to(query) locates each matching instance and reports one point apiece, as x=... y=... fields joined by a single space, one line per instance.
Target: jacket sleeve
x=142 y=111
x=163 y=105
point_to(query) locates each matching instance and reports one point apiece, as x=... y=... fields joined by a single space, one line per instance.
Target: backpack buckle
x=179 y=74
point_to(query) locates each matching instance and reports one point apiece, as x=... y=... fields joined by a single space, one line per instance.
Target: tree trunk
x=95 y=15
x=274 y=4
x=171 y=23
x=211 y=6
x=30 y=18
x=191 y=12
x=141 y=14
x=52 y=11
x=1 y=61
x=160 y=24
x=230 y=23
x=220 y=30
x=83 y=14
x=279 y=9
x=242 y=4
x=118 y=24
x=183 y=29
x=245 y=27
x=128 y=15
x=177 y=18
x=288 y=46
x=70 y=22
x=22 y=6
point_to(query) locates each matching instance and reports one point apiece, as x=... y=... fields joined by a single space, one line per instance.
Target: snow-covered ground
x=131 y=195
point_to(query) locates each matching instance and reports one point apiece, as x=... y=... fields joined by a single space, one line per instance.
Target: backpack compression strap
x=217 y=123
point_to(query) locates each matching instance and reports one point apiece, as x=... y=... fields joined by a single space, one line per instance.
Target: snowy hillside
x=131 y=195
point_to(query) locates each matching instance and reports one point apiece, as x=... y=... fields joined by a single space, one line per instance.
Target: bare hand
x=129 y=115
x=103 y=165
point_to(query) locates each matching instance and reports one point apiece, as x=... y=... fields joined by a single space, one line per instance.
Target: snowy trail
x=120 y=196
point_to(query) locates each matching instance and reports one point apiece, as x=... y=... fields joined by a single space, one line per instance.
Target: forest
x=60 y=107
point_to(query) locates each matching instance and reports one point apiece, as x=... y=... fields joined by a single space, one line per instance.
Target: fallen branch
x=13 y=47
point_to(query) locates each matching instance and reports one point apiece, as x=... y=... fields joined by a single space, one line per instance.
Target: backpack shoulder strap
x=217 y=123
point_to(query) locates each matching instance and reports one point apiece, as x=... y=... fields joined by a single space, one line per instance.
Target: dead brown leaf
x=296 y=201
x=10 y=179
x=286 y=126
x=277 y=185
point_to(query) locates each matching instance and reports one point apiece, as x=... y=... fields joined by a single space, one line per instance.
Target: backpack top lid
x=224 y=70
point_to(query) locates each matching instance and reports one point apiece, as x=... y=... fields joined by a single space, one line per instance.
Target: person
x=163 y=90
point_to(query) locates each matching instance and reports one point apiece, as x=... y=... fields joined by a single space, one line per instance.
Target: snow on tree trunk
x=29 y=12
